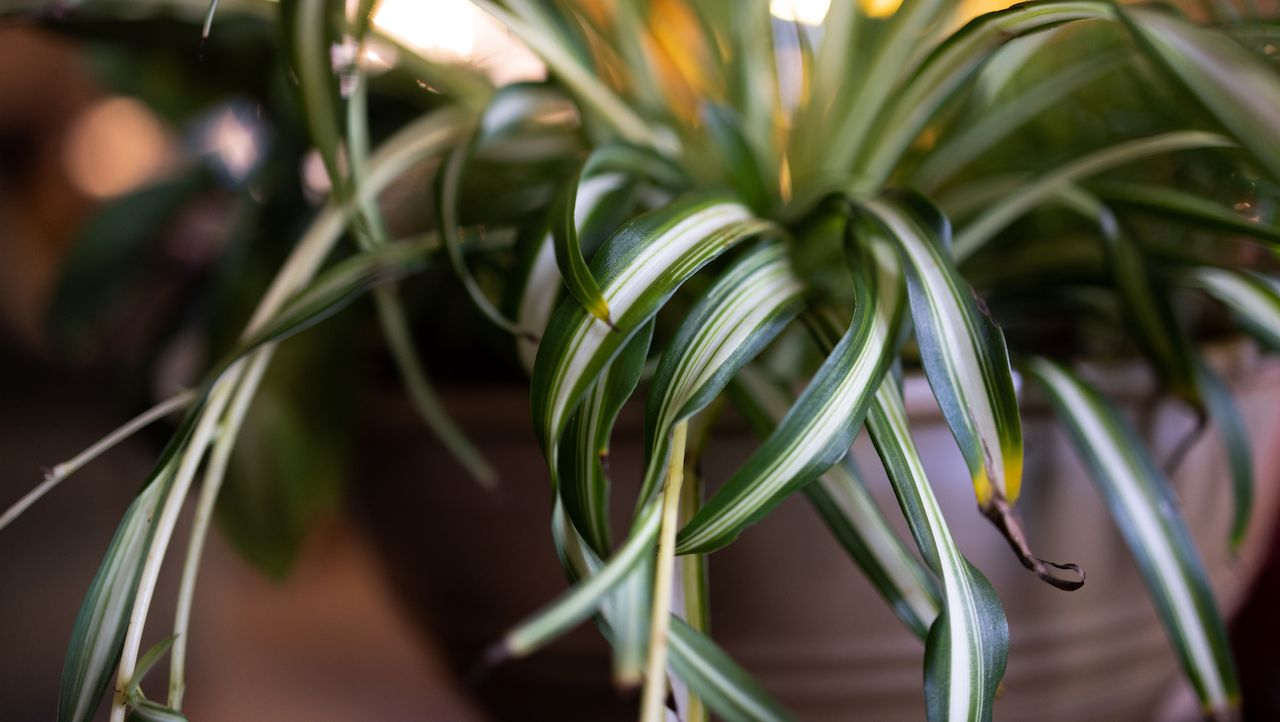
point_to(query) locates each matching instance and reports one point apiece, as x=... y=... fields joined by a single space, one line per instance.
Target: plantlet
x=706 y=202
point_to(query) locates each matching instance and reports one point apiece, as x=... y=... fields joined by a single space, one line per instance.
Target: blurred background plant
x=153 y=199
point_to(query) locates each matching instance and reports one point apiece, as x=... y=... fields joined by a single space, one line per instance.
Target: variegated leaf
x=638 y=268
x=967 y=647
x=845 y=504
x=750 y=303
x=820 y=427
x=967 y=363
x=1254 y=299
x=1143 y=506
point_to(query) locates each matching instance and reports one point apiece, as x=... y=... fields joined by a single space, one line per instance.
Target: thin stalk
x=693 y=578
x=203 y=435
x=213 y=478
x=61 y=471
x=653 y=704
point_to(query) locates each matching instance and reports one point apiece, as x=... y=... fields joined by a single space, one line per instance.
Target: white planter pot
x=788 y=603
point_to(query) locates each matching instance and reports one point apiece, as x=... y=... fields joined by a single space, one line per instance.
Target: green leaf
x=749 y=304
x=448 y=186
x=1234 y=433
x=639 y=268
x=531 y=26
x=585 y=598
x=967 y=364
x=1027 y=195
x=1254 y=299
x=1238 y=87
x=147 y=661
x=718 y=680
x=335 y=289
x=605 y=171
x=741 y=167
x=893 y=58
x=709 y=672
x=1145 y=509
x=961 y=347
x=1189 y=208
x=993 y=124
x=953 y=63
x=819 y=428
x=98 y=635
x=583 y=481
x=147 y=711
x=1147 y=308
x=968 y=644
x=845 y=505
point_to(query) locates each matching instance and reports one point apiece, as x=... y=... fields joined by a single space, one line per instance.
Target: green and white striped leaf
x=1254 y=299
x=1027 y=195
x=717 y=680
x=967 y=364
x=583 y=484
x=448 y=186
x=606 y=170
x=894 y=57
x=712 y=675
x=818 y=430
x=1146 y=512
x=335 y=289
x=587 y=596
x=952 y=64
x=639 y=268
x=1234 y=435
x=845 y=504
x=968 y=644
x=750 y=303
x=98 y=635
x=962 y=349
x=565 y=219
x=990 y=125
x=1238 y=87
x=1147 y=308
x=1189 y=208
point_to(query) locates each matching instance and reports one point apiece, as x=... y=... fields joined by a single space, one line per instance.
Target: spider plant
x=705 y=202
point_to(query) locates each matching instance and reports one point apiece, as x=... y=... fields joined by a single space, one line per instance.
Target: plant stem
x=190 y=460
x=653 y=704
x=693 y=577
x=214 y=475
x=60 y=472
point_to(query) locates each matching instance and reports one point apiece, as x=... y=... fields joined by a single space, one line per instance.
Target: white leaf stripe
x=638 y=268
x=895 y=572
x=965 y=664
x=582 y=483
x=586 y=597
x=100 y=624
x=818 y=430
x=1146 y=512
x=544 y=283
x=714 y=676
x=1255 y=299
x=724 y=686
x=964 y=357
x=745 y=309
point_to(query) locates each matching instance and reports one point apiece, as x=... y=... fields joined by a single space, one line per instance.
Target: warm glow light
x=809 y=12
x=114 y=147
x=967 y=10
x=880 y=8
x=446 y=27
x=455 y=30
